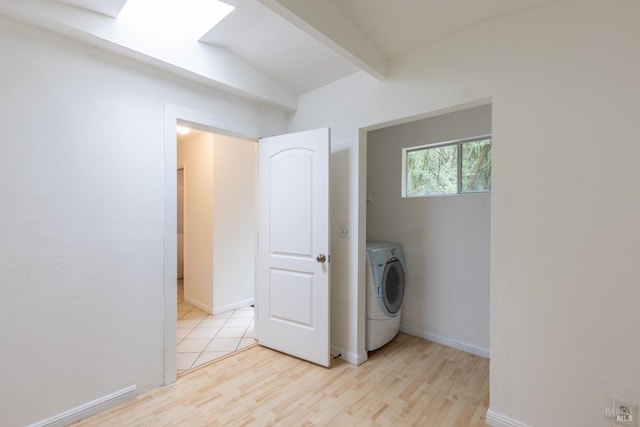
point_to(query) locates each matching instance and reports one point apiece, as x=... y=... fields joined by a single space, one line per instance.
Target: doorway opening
x=446 y=238
x=202 y=298
x=216 y=242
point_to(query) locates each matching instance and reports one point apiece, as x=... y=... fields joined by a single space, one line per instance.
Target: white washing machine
x=385 y=291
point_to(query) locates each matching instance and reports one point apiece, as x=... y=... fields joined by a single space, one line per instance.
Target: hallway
x=203 y=337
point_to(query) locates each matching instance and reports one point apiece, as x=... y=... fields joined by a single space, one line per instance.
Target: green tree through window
x=440 y=170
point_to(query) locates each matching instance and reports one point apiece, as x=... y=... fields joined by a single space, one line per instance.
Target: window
x=185 y=18
x=455 y=167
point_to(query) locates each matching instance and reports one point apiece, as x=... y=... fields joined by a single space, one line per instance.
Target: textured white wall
x=82 y=219
x=563 y=82
x=445 y=238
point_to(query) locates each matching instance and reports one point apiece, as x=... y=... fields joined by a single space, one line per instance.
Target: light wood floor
x=409 y=382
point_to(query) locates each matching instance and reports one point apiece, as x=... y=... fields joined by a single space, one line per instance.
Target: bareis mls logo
x=620 y=414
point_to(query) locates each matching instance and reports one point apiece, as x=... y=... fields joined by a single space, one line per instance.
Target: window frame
x=456 y=142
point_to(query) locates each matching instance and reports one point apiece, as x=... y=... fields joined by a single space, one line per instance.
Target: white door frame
x=211 y=123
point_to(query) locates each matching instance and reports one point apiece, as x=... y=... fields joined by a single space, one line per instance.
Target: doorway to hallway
x=216 y=245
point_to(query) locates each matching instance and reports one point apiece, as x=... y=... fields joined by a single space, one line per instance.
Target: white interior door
x=293 y=260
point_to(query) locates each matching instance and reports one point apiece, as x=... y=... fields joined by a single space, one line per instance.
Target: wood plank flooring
x=409 y=382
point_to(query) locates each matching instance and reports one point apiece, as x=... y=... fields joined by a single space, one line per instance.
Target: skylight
x=195 y=17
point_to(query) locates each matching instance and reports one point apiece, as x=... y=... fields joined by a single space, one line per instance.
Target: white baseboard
x=469 y=348
x=353 y=358
x=218 y=310
x=88 y=409
x=234 y=306
x=495 y=419
x=198 y=304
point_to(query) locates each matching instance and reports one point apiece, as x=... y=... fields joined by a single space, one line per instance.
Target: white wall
x=235 y=221
x=82 y=219
x=445 y=238
x=220 y=220
x=563 y=82
x=196 y=154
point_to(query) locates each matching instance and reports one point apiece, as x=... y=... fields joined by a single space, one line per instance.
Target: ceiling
x=193 y=133
x=272 y=50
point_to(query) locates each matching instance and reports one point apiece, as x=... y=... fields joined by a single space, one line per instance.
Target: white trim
x=170 y=248
x=353 y=358
x=87 y=409
x=445 y=143
x=496 y=419
x=460 y=345
x=234 y=306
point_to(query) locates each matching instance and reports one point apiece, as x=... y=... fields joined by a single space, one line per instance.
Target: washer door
x=392 y=286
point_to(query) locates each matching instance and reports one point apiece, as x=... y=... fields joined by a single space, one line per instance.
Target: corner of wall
x=353 y=358
x=460 y=345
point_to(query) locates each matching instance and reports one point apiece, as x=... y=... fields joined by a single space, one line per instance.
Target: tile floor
x=203 y=337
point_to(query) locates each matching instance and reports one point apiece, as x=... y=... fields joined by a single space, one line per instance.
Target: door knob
x=321 y=258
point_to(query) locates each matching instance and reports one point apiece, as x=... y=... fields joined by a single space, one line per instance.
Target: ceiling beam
x=330 y=26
